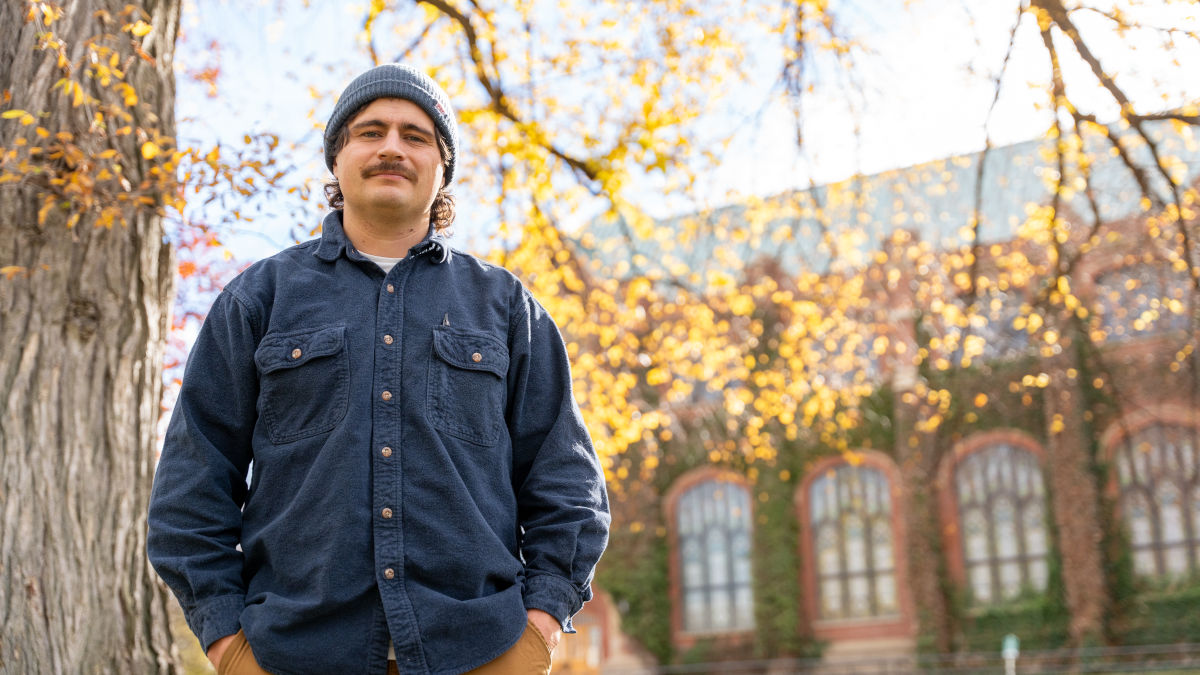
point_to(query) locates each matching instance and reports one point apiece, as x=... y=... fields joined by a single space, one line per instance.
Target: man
x=424 y=497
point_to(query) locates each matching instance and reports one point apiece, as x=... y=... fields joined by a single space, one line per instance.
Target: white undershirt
x=386 y=264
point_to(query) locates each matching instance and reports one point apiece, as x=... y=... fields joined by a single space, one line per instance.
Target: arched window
x=1142 y=299
x=850 y=519
x=712 y=521
x=1160 y=499
x=1002 y=517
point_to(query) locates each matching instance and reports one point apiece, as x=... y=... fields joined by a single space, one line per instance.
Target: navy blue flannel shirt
x=421 y=471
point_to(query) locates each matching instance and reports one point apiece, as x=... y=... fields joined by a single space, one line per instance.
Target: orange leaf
x=10 y=271
x=42 y=212
x=187 y=269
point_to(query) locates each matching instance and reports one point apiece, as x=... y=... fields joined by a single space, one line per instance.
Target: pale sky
x=932 y=83
x=927 y=91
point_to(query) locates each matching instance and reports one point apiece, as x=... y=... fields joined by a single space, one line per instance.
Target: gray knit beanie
x=395 y=80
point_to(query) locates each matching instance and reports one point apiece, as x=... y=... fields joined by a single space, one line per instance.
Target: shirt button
x=386 y=451
x=387 y=339
x=391 y=288
x=477 y=357
x=387 y=396
x=389 y=573
x=386 y=513
x=296 y=353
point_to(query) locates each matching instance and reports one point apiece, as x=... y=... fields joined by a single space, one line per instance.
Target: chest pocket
x=466 y=384
x=304 y=382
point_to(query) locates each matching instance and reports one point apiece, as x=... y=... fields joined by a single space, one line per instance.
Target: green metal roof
x=935 y=199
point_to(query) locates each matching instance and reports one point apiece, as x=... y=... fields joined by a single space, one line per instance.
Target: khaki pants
x=530 y=656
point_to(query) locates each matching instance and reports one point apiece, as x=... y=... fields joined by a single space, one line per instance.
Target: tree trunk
x=83 y=321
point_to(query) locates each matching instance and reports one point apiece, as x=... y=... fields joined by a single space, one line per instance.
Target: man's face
x=391 y=161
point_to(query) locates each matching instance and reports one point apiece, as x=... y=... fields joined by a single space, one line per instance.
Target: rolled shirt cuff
x=216 y=618
x=555 y=596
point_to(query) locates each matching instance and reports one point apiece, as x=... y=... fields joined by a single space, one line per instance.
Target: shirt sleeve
x=195 y=517
x=561 y=498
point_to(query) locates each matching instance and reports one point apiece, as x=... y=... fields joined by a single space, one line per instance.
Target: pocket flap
x=288 y=350
x=471 y=351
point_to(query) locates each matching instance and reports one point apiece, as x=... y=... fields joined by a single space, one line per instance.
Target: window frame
x=1115 y=440
x=1097 y=283
x=682 y=637
x=902 y=623
x=952 y=528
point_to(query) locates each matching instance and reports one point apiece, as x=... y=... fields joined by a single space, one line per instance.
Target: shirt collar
x=335 y=243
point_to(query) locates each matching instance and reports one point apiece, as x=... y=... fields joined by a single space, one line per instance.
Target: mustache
x=388 y=167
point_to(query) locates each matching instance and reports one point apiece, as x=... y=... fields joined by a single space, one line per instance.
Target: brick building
x=1058 y=497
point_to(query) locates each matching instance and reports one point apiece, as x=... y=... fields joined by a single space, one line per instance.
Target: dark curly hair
x=441 y=214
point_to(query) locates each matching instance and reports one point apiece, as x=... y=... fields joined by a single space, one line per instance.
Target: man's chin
x=394 y=206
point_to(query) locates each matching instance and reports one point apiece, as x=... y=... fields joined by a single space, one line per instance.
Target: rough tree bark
x=82 y=334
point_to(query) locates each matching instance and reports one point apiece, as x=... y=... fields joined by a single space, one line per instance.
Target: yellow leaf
x=129 y=93
x=73 y=219
x=46 y=206
x=140 y=28
x=10 y=271
x=12 y=114
x=27 y=120
x=150 y=150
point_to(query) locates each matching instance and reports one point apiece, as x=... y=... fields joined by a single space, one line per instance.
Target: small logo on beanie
x=439 y=107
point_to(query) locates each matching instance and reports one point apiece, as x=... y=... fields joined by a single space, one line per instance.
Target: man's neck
x=388 y=238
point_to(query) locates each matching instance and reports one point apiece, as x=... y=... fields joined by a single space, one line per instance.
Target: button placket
x=387 y=486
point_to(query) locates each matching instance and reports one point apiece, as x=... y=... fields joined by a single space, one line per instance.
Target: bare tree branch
x=977 y=207
x=488 y=76
x=1123 y=23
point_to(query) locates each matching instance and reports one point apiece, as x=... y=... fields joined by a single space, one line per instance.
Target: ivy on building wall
x=983 y=397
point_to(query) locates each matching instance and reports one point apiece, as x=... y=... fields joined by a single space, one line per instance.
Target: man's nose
x=391 y=146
